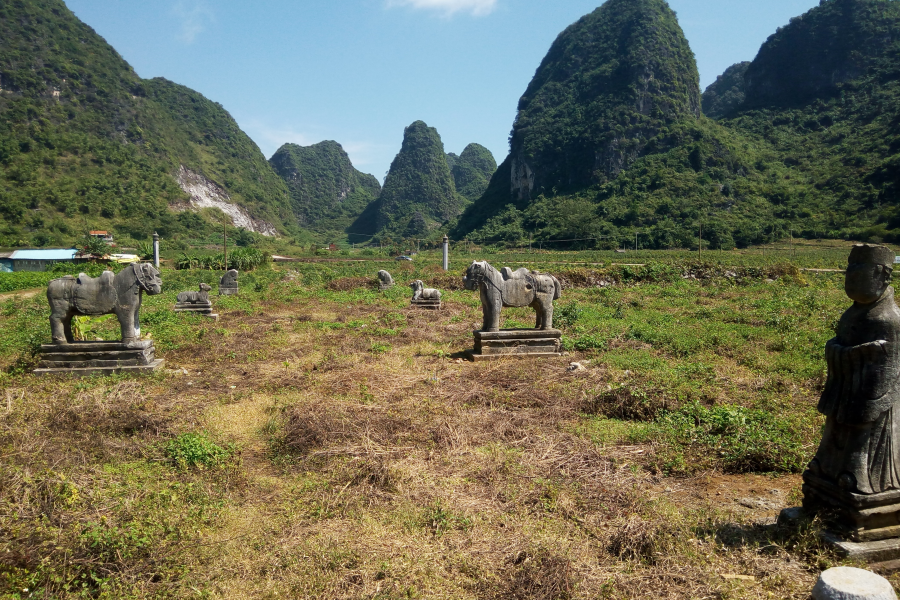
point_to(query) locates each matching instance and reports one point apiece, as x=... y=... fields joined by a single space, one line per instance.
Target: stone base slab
x=200 y=309
x=90 y=358
x=858 y=517
x=228 y=291
x=383 y=287
x=521 y=343
x=431 y=304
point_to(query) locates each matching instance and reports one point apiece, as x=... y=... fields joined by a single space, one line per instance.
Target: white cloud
x=193 y=17
x=477 y=8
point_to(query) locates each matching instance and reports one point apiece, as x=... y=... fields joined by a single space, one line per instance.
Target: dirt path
x=21 y=294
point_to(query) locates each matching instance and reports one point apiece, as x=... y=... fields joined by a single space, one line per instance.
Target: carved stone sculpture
x=87 y=296
x=424 y=297
x=385 y=280
x=855 y=475
x=228 y=284
x=513 y=288
x=118 y=294
x=196 y=302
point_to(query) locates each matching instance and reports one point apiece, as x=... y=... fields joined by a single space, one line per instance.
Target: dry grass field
x=325 y=440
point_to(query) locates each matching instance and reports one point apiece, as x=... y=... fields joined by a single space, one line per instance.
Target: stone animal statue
x=420 y=292
x=108 y=294
x=512 y=288
x=192 y=297
x=385 y=279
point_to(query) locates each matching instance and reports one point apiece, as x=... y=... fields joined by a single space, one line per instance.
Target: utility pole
x=225 y=242
x=635 y=241
x=700 y=245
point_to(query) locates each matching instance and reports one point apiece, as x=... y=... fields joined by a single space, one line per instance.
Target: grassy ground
x=325 y=440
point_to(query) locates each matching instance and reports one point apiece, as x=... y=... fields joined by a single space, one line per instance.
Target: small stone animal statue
x=385 y=280
x=420 y=292
x=228 y=284
x=192 y=297
x=512 y=288
x=108 y=294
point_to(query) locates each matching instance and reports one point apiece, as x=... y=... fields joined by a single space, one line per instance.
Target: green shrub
x=197 y=450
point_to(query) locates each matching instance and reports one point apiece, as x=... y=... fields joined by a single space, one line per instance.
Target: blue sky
x=359 y=71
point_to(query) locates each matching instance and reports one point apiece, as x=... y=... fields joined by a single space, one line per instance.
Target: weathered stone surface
x=521 y=343
x=89 y=358
x=385 y=280
x=424 y=297
x=512 y=288
x=118 y=294
x=849 y=583
x=854 y=479
x=228 y=284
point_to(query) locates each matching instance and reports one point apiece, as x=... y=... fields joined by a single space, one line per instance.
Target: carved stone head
x=148 y=278
x=473 y=275
x=868 y=275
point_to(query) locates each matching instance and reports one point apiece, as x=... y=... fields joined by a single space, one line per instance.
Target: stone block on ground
x=517 y=343
x=92 y=358
x=850 y=583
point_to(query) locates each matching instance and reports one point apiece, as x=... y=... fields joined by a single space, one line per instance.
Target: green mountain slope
x=418 y=193
x=812 y=147
x=726 y=93
x=85 y=143
x=472 y=171
x=328 y=194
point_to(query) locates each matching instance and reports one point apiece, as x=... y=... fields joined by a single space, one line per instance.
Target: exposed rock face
x=608 y=84
x=206 y=194
x=726 y=94
x=327 y=192
x=834 y=43
x=418 y=193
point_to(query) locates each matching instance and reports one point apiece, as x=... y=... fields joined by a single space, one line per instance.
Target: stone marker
x=424 y=297
x=513 y=288
x=849 y=583
x=120 y=295
x=196 y=302
x=228 y=284
x=854 y=479
x=385 y=280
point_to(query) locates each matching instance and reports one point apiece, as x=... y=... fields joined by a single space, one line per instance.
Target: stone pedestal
x=385 y=286
x=228 y=291
x=850 y=583
x=97 y=358
x=430 y=304
x=200 y=308
x=522 y=343
x=858 y=517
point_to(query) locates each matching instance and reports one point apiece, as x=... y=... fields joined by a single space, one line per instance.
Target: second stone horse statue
x=118 y=294
x=512 y=288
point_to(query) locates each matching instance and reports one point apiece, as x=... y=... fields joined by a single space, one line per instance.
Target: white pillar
x=156 y=250
x=446 y=253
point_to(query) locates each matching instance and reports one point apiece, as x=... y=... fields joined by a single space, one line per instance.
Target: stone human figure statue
x=860 y=448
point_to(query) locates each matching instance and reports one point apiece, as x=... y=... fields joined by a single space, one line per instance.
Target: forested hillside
x=327 y=193
x=418 y=193
x=807 y=143
x=86 y=144
x=472 y=171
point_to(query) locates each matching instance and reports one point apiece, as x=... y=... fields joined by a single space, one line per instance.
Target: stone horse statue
x=420 y=292
x=512 y=288
x=108 y=294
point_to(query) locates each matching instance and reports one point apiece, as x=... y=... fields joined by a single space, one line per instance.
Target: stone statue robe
x=860 y=400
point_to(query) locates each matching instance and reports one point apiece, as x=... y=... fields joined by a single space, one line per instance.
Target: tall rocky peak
x=327 y=192
x=609 y=83
x=832 y=44
x=726 y=94
x=418 y=193
x=472 y=170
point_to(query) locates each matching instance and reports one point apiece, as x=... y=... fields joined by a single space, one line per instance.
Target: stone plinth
x=97 y=358
x=860 y=517
x=228 y=291
x=430 y=304
x=522 y=343
x=199 y=308
x=849 y=583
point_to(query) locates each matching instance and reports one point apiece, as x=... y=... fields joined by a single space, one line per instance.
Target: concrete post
x=446 y=253
x=156 y=250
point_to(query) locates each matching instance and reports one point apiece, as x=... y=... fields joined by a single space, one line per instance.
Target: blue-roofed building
x=39 y=260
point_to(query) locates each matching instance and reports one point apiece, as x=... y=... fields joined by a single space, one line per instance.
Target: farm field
x=325 y=440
